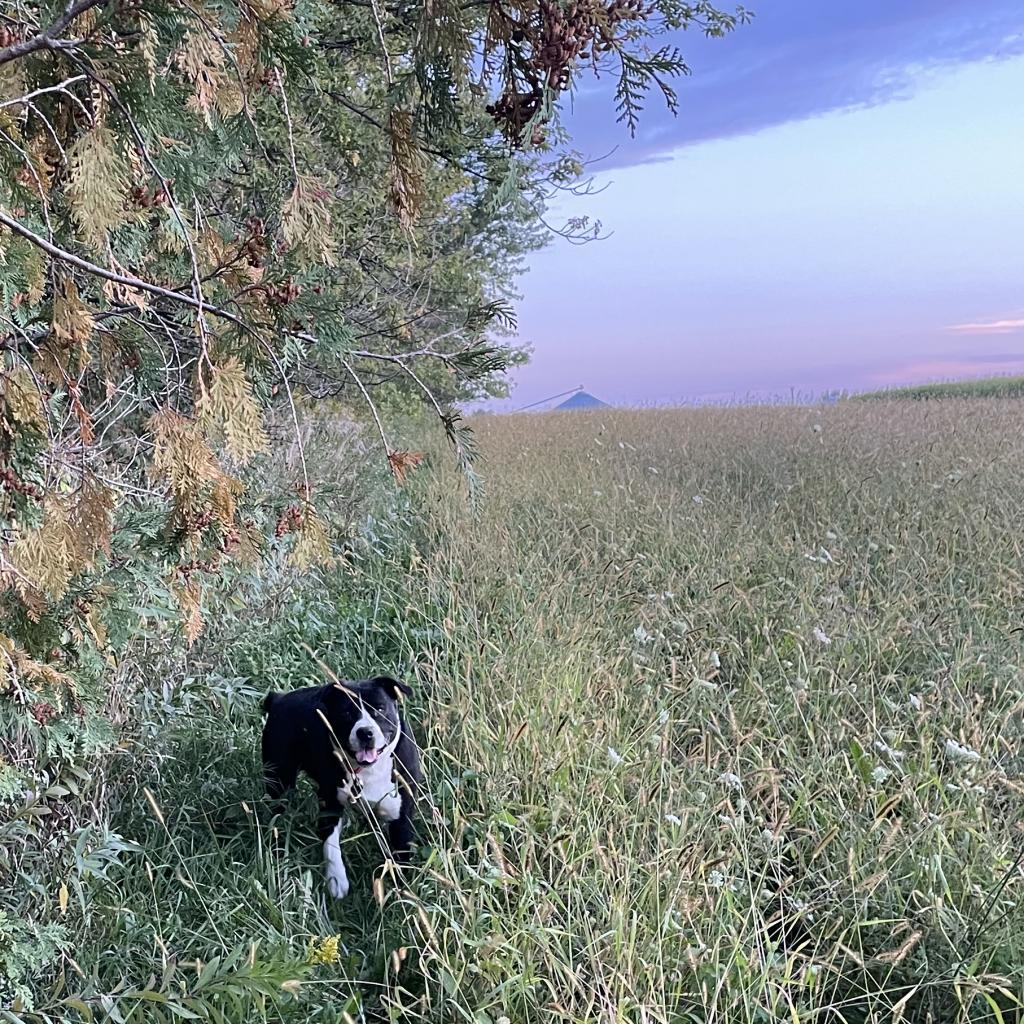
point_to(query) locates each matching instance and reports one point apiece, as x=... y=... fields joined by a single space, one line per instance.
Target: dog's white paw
x=334 y=865
x=337 y=883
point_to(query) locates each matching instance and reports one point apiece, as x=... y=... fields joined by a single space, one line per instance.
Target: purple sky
x=839 y=204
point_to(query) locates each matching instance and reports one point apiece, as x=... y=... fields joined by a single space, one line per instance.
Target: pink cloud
x=944 y=369
x=989 y=327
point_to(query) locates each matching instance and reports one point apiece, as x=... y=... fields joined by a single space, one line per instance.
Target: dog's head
x=364 y=715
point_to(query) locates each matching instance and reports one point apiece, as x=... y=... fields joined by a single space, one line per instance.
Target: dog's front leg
x=400 y=837
x=396 y=810
x=403 y=802
x=331 y=827
x=393 y=810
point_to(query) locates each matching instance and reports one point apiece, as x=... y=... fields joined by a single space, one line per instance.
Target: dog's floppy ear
x=392 y=687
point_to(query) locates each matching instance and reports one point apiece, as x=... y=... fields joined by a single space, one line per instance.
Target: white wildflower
x=673 y=819
x=958 y=752
x=663 y=716
x=884 y=748
x=822 y=556
x=716 y=878
x=880 y=774
x=730 y=780
x=715 y=659
x=821 y=636
x=614 y=756
x=641 y=635
x=698 y=500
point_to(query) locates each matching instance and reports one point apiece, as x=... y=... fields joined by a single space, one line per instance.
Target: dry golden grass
x=741 y=692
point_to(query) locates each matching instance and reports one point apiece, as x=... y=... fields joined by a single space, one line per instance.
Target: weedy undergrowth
x=722 y=717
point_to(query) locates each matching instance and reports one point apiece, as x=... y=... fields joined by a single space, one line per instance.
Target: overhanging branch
x=128 y=280
x=49 y=39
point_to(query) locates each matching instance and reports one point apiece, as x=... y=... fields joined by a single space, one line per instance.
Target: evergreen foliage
x=214 y=216
x=212 y=213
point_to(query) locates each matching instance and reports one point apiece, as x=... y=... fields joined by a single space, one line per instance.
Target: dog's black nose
x=365 y=737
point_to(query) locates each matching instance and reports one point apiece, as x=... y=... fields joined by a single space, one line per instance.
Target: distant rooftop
x=582 y=400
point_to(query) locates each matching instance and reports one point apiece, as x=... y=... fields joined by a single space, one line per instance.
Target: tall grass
x=722 y=714
x=1010 y=386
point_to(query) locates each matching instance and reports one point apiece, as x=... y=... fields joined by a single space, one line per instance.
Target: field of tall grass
x=1006 y=386
x=722 y=712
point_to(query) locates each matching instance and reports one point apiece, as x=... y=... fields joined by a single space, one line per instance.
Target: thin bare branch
x=128 y=280
x=373 y=410
x=28 y=97
x=49 y=39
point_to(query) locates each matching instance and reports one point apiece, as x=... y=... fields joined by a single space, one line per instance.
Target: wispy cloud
x=989 y=327
x=800 y=59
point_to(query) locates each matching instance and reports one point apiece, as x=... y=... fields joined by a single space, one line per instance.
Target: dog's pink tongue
x=366 y=756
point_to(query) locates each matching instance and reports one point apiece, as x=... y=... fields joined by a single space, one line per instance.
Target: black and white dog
x=350 y=738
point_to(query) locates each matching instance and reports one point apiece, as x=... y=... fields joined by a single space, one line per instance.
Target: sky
x=839 y=204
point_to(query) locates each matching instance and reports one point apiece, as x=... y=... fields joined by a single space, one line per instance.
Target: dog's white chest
x=375 y=787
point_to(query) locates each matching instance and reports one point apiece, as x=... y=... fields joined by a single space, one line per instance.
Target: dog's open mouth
x=368 y=756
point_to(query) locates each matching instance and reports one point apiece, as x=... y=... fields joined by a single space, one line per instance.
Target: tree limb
x=128 y=280
x=47 y=39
